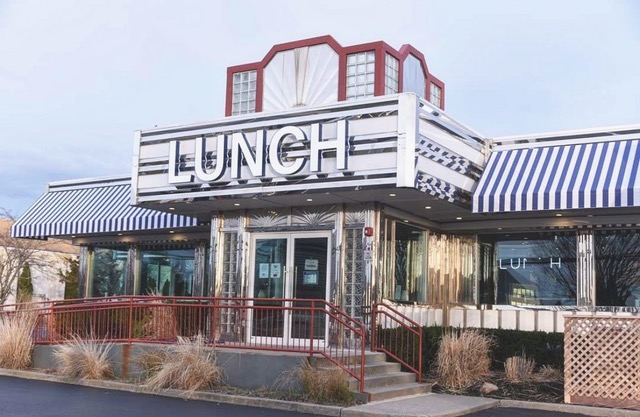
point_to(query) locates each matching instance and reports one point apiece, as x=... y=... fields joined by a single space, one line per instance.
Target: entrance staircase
x=383 y=380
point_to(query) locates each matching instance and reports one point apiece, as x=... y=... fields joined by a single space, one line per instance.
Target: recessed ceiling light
x=558 y=214
x=458 y=218
x=499 y=228
x=406 y=221
x=172 y=208
x=309 y=199
x=171 y=231
x=589 y=215
x=236 y=204
x=119 y=234
x=392 y=194
x=73 y=236
x=428 y=207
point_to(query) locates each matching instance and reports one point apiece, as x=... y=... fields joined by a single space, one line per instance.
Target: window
x=405 y=260
x=167 y=272
x=410 y=253
x=108 y=272
x=244 y=93
x=534 y=269
x=413 y=76
x=617 y=265
x=360 y=74
x=390 y=75
x=436 y=95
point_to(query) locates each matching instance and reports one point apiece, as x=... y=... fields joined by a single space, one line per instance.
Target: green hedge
x=544 y=348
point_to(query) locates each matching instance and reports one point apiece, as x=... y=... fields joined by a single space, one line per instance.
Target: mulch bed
x=534 y=390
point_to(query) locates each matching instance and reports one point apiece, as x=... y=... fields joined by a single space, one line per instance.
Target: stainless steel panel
x=585 y=269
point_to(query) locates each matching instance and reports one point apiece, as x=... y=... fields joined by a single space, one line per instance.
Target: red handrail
x=159 y=319
x=384 y=320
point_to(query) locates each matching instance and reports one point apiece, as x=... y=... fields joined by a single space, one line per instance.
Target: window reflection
x=108 y=272
x=617 y=262
x=410 y=252
x=167 y=272
x=536 y=269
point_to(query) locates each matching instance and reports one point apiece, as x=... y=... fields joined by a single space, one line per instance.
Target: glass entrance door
x=289 y=271
x=270 y=268
x=309 y=283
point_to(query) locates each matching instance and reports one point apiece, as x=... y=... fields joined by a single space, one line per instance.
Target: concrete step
x=395 y=391
x=369 y=358
x=375 y=368
x=384 y=380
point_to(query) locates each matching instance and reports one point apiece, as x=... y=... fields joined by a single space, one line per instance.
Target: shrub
x=543 y=348
x=325 y=386
x=463 y=358
x=188 y=365
x=84 y=358
x=16 y=341
x=519 y=368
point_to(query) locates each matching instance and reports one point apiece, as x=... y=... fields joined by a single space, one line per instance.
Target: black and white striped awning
x=102 y=208
x=573 y=176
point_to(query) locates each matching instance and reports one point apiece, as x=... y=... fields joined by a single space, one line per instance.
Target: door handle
x=295 y=281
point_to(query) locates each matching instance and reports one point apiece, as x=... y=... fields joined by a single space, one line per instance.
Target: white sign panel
x=284 y=153
x=351 y=145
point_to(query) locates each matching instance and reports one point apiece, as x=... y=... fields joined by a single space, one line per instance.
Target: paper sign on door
x=311 y=264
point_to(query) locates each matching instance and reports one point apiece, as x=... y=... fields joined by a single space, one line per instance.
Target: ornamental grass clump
x=548 y=374
x=188 y=365
x=16 y=339
x=463 y=359
x=161 y=323
x=84 y=358
x=325 y=386
x=519 y=368
x=151 y=361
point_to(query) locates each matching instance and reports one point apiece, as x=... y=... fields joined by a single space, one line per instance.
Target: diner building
x=336 y=174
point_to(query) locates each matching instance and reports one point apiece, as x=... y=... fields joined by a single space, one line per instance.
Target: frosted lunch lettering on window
x=536 y=270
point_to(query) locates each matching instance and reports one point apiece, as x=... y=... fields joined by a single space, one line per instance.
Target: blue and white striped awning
x=90 y=210
x=575 y=176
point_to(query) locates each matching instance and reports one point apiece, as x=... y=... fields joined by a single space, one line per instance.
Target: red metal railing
x=398 y=336
x=310 y=326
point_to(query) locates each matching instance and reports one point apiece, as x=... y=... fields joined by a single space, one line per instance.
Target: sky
x=78 y=77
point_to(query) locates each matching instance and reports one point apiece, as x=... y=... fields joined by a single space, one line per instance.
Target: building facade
x=337 y=175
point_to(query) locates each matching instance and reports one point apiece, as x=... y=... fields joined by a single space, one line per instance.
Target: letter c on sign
x=275 y=154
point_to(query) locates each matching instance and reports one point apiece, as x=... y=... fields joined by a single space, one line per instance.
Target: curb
x=570 y=408
x=325 y=410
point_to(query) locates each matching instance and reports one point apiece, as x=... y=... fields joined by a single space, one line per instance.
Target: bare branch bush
x=14 y=254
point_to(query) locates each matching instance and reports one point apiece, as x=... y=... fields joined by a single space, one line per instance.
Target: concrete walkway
x=429 y=405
